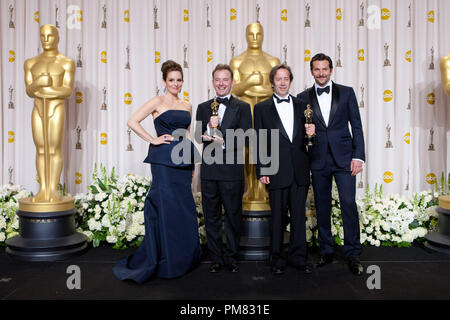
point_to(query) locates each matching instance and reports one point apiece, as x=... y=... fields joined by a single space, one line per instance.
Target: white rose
x=99 y=196
x=111 y=239
x=122 y=226
x=2 y=236
x=105 y=204
x=408 y=237
x=105 y=221
x=92 y=224
x=2 y=222
x=138 y=217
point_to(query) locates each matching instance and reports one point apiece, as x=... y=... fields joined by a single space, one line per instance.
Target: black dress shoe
x=356 y=267
x=324 y=259
x=233 y=267
x=215 y=267
x=277 y=270
x=304 y=268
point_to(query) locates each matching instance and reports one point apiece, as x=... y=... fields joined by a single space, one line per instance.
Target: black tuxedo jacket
x=237 y=116
x=293 y=157
x=343 y=145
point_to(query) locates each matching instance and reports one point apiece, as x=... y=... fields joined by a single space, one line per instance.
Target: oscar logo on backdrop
x=47 y=224
x=251 y=71
x=440 y=241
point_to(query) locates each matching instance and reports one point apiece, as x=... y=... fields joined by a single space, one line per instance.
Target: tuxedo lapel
x=277 y=120
x=297 y=117
x=334 y=103
x=229 y=115
x=315 y=105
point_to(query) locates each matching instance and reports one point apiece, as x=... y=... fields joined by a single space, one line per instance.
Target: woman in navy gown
x=171 y=245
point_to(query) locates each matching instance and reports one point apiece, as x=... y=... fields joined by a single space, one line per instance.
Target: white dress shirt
x=325 y=101
x=286 y=112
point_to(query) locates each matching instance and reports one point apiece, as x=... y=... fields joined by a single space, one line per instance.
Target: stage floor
x=405 y=273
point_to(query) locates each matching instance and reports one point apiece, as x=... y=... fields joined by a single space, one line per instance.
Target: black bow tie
x=322 y=90
x=288 y=99
x=222 y=100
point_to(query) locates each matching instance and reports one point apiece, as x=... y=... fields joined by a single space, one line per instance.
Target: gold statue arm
x=445 y=72
x=42 y=86
x=33 y=85
x=66 y=89
x=240 y=86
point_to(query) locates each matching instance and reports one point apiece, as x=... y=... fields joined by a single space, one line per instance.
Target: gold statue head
x=254 y=35
x=49 y=37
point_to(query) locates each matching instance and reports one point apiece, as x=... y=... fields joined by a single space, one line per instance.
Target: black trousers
x=228 y=194
x=294 y=199
x=346 y=184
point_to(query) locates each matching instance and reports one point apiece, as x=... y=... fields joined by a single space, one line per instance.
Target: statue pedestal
x=255 y=235
x=440 y=241
x=46 y=236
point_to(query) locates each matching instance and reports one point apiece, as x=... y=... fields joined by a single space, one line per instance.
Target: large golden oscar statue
x=49 y=79
x=251 y=71
x=440 y=240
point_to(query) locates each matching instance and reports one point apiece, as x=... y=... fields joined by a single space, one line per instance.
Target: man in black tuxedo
x=337 y=153
x=223 y=183
x=283 y=117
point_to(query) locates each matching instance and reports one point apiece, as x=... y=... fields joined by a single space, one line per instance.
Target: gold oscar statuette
x=310 y=140
x=127 y=65
x=387 y=62
x=79 y=62
x=11 y=103
x=215 y=113
x=251 y=71
x=11 y=10
x=78 y=144
x=56 y=17
x=258 y=8
x=361 y=20
x=431 y=66
x=155 y=17
x=338 y=62
x=208 y=22
x=361 y=103
x=130 y=146
x=388 y=142
x=49 y=79
x=104 y=17
x=10 y=173
x=307 y=21
x=431 y=145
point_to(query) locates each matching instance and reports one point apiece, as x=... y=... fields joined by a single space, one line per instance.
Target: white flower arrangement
x=112 y=211
x=9 y=204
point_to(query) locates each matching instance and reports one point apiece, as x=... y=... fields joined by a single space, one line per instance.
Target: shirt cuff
x=358 y=160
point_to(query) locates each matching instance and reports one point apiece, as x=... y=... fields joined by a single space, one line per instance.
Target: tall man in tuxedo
x=223 y=183
x=283 y=116
x=337 y=153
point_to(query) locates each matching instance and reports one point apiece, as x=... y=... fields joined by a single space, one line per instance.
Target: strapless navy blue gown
x=171 y=245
